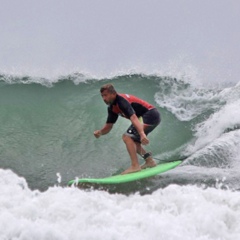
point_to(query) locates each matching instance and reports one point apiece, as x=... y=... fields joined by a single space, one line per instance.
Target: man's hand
x=139 y=126
x=105 y=130
x=97 y=133
x=144 y=139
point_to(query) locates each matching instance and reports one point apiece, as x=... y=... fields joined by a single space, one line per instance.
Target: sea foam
x=69 y=213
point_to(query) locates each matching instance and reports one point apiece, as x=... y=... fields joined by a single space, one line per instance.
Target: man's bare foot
x=149 y=164
x=132 y=170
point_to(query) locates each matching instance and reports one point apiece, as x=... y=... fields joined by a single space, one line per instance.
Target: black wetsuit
x=126 y=105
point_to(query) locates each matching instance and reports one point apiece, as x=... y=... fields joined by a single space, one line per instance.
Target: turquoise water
x=181 y=56
x=46 y=139
x=47 y=129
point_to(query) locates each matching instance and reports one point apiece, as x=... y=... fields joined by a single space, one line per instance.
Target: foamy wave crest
x=218 y=136
x=76 y=78
x=69 y=213
x=184 y=100
x=222 y=152
x=225 y=119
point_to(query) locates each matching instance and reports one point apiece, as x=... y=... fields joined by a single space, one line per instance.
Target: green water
x=49 y=130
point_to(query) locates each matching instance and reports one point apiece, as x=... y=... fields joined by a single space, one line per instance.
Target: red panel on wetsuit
x=133 y=99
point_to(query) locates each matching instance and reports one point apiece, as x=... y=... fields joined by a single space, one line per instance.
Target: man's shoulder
x=124 y=95
x=122 y=99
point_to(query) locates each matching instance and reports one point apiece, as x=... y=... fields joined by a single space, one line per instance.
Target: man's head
x=108 y=93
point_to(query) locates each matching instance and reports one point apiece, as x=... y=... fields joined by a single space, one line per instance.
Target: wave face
x=47 y=126
x=46 y=139
x=181 y=56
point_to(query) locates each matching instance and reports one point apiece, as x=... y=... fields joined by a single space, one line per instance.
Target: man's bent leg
x=149 y=162
x=131 y=147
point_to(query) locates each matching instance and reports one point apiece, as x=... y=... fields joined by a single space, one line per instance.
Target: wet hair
x=109 y=87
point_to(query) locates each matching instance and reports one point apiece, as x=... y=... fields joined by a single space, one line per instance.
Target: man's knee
x=126 y=138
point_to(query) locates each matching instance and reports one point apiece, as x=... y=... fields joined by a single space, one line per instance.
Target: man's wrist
x=142 y=133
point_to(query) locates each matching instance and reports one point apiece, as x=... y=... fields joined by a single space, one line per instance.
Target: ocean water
x=183 y=57
x=46 y=138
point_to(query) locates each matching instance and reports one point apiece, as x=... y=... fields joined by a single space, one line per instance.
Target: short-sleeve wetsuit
x=126 y=105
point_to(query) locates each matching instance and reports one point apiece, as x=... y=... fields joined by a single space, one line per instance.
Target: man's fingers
x=144 y=141
x=97 y=134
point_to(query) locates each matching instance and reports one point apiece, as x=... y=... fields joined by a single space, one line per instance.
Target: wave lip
x=76 y=78
x=185 y=101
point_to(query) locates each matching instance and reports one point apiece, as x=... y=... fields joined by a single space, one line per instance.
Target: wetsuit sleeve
x=112 y=117
x=126 y=107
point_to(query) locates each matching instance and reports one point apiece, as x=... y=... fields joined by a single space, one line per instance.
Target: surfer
x=136 y=110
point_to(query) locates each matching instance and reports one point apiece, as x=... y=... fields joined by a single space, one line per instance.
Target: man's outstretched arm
x=105 y=130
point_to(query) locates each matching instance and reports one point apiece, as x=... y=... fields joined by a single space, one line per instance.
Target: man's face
x=107 y=97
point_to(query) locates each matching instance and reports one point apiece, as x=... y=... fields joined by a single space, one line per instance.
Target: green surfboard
x=145 y=173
